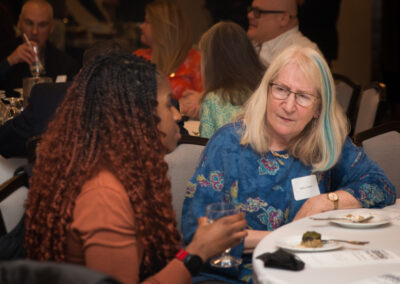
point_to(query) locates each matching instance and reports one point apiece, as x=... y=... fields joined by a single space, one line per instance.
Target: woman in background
x=231 y=71
x=100 y=195
x=166 y=32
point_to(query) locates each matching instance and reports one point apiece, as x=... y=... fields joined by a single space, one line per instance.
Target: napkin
x=281 y=259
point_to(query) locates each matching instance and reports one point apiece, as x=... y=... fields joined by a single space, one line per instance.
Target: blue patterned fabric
x=261 y=186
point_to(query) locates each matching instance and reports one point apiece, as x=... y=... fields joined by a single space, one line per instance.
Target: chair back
x=182 y=163
x=13 y=193
x=382 y=145
x=371 y=96
x=8 y=167
x=347 y=94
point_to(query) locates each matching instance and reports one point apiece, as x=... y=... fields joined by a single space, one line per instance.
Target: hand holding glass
x=215 y=211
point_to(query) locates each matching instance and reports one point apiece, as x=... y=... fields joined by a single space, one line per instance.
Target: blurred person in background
x=273 y=26
x=166 y=32
x=42 y=104
x=231 y=71
x=36 y=21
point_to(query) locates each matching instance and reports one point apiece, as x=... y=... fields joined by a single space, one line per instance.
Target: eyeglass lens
x=282 y=93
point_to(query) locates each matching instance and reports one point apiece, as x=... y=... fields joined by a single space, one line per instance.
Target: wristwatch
x=335 y=199
x=193 y=262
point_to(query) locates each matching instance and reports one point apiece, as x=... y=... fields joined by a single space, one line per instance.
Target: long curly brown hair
x=107 y=121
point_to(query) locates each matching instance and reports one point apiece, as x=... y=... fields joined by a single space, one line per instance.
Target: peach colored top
x=102 y=234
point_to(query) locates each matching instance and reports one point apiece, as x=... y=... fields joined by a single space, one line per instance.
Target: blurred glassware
x=36 y=67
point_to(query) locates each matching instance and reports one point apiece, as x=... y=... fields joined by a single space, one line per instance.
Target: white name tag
x=61 y=79
x=305 y=187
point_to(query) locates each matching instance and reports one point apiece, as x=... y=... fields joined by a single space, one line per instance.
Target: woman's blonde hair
x=171 y=35
x=321 y=141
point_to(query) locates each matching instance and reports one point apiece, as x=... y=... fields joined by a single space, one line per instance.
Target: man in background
x=36 y=21
x=43 y=102
x=273 y=26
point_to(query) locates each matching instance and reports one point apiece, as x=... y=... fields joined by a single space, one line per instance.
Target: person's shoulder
x=229 y=134
x=104 y=183
x=212 y=97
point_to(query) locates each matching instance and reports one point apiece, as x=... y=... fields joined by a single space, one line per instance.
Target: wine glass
x=215 y=211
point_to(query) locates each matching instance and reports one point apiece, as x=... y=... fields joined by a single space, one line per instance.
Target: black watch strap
x=193 y=262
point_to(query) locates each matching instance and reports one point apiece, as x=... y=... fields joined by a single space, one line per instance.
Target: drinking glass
x=36 y=67
x=215 y=211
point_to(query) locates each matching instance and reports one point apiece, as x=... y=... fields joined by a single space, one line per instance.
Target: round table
x=383 y=237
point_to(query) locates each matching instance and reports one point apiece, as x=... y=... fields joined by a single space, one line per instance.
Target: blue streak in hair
x=327 y=123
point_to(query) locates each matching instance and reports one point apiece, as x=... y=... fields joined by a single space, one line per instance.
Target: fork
x=345 y=241
x=347 y=219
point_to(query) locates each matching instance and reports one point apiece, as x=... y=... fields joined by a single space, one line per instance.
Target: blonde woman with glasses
x=288 y=157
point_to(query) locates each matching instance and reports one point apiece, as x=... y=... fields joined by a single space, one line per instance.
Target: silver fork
x=345 y=241
x=347 y=219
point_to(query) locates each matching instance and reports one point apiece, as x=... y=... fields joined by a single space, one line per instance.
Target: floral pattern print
x=253 y=205
x=268 y=166
x=356 y=160
x=370 y=195
x=190 y=189
x=217 y=180
x=202 y=181
x=277 y=188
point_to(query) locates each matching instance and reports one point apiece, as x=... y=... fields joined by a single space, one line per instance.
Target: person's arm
x=190 y=103
x=321 y=203
x=357 y=181
x=252 y=239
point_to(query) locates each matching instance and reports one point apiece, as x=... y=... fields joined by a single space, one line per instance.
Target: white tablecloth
x=383 y=237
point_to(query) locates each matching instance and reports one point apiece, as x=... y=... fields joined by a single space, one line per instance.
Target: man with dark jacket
x=36 y=22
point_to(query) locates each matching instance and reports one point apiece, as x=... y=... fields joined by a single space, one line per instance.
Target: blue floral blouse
x=261 y=186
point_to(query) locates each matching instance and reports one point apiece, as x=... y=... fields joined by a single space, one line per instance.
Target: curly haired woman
x=100 y=195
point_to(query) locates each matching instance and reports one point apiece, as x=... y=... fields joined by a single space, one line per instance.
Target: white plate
x=293 y=243
x=377 y=220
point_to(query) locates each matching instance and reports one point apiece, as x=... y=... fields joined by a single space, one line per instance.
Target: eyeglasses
x=280 y=92
x=257 y=12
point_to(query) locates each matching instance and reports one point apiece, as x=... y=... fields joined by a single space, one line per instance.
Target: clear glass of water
x=215 y=211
